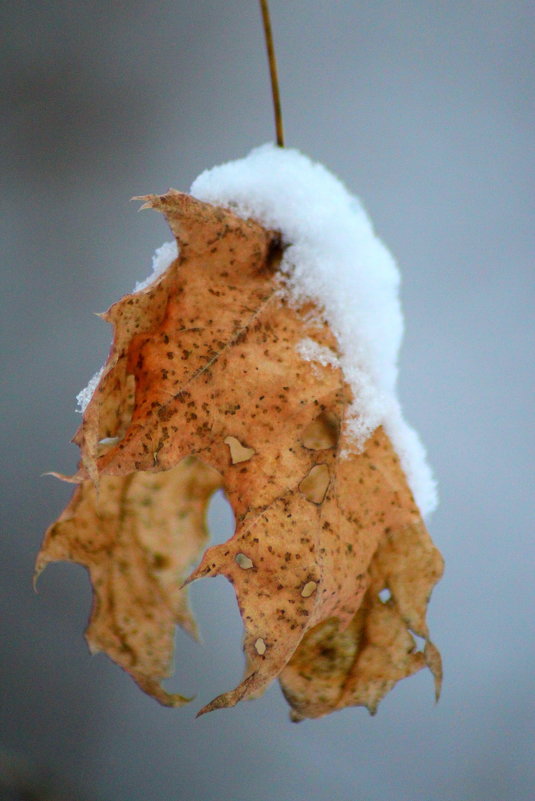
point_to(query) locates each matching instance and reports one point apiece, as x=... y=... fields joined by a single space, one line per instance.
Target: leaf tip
x=433 y=661
x=39 y=567
x=156 y=691
x=147 y=201
x=74 y=479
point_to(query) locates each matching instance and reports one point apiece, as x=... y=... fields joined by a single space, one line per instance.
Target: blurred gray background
x=425 y=109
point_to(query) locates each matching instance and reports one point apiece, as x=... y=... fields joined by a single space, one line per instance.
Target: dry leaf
x=205 y=363
x=138 y=535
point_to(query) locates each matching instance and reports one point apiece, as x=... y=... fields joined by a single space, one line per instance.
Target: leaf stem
x=273 y=72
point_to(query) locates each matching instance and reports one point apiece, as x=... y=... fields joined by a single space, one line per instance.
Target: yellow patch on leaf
x=204 y=387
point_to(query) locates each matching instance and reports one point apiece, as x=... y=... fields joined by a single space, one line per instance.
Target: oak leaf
x=204 y=387
x=138 y=535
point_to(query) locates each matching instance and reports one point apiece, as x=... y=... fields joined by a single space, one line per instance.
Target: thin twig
x=273 y=72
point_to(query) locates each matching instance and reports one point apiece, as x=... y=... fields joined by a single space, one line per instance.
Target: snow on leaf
x=205 y=363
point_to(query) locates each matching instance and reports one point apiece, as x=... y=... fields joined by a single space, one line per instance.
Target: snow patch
x=163 y=257
x=334 y=258
x=85 y=395
x=312 y=351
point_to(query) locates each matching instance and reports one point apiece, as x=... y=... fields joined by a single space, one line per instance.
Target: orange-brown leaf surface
x=204 y=387
x=138 y=535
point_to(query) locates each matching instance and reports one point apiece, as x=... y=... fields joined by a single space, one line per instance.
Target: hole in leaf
x=238 y=452
x=220 y=518
x=322 y=433
x=420 y=642
x=105 y=444
x=222 y=634
x=244 y=561
x=385 y=595
x=314 y=485
x=260 y=646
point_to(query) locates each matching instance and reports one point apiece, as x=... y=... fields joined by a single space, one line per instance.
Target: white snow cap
x=334 y=258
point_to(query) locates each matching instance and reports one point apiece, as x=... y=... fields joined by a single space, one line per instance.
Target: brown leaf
x=205 y=363
x=334 y=668
x=138 y=535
